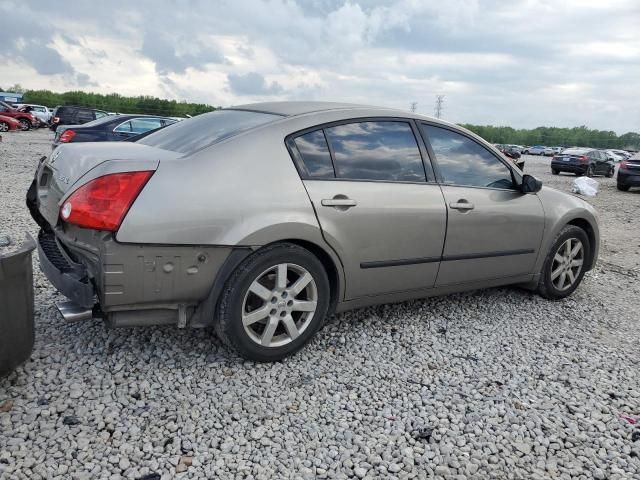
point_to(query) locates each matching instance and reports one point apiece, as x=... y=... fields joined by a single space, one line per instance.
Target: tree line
x=114 y=102
x=557 y=137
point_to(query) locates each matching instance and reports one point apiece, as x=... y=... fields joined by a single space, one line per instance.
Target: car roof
x=289 y=109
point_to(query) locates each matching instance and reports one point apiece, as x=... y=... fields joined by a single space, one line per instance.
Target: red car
x=8 y=123
x=26 y=119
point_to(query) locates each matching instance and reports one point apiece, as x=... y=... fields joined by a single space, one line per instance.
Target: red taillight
x=102 y=203
x=55 y=120
x=584 y=159
x=624 y=164
x=67 y=136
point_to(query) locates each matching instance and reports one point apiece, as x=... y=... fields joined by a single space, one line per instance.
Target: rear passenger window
x=84 y=116
x=315 y=154
x=376 y=151
x=463 y=161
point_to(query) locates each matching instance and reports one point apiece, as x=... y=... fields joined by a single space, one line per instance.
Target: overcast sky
x=522 y=63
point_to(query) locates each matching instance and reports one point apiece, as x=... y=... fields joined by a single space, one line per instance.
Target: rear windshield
x=195 y=133
x=575 y=151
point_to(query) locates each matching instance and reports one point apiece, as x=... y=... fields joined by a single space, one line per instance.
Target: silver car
x=261 y=220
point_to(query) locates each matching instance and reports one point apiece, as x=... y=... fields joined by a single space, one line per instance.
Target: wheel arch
x=204 y=314
x=585 y=225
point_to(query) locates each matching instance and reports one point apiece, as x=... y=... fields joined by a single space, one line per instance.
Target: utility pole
x=439 y=102
x=414 y=106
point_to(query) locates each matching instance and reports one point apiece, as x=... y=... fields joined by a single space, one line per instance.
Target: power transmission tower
x=414 y=106
x=439 y=102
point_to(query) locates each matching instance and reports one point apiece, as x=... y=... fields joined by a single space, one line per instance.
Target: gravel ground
x=489 y=384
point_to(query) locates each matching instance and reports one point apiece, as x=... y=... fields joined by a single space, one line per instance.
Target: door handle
x=339 y=201
x=462 y=205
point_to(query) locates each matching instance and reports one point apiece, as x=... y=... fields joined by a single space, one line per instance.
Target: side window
x=100 y=114
x=3 y=108
x=384 y=150
x=84 y=116
x=462 y=161
x=315 y=154
x=123 y=127
x=141 y=125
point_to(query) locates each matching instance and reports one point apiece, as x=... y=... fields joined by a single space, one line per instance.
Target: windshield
x=190 y=135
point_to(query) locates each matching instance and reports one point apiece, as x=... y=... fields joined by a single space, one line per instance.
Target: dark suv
x=582 y=161
x=69 y=115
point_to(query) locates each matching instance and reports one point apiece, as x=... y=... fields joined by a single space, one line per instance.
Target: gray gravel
x=490 y=384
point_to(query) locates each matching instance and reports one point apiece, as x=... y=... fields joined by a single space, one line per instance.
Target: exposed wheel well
x=329 y=266
x=586 y=226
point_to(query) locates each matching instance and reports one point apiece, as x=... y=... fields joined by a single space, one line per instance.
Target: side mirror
x=530 y=184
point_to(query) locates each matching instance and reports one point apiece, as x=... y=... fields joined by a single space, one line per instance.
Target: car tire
x=280 y=324
x=624 y=188
x=4 y=127
x=610 y=172
x=25 y=124
x=590 y=171
x=554 y=171
x=561 y=274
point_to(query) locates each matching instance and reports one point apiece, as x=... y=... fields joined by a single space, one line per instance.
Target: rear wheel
x=590 y=171
x=4 y=127
x=565 y=264
x=274 y=302
x=610 y=172
x=25 y=124
x=624 y=188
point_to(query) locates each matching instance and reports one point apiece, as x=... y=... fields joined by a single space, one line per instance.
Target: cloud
x=252 y=83
x=161 y=49
x=514 y=63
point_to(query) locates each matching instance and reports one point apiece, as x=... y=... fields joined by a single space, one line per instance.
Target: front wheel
x=274 y=302
x=565 y=264
x=25 y=124
x=610 y=172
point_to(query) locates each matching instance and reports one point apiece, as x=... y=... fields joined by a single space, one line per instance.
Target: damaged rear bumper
x=70 y=278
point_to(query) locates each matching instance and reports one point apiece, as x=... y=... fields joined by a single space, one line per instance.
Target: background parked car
x=9 y=123
x=615 y=156
x=535 y=150
x=551 y=151
x=629 y=173
x=70 y=115
x=111 y=128
x=26 y=119
x=583 y=161
x=41 y=112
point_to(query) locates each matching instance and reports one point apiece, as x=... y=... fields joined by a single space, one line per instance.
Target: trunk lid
x=71 y=165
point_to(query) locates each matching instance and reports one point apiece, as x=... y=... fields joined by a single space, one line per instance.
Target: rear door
x=493 y=231
x=378 y=209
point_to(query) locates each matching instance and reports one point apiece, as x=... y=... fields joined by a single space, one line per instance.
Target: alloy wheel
x=279 y=305
x=567 y=264
x=24 y=124
x=4 y=127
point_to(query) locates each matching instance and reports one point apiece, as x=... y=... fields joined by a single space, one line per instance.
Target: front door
x=493 y=231
x=374 y=204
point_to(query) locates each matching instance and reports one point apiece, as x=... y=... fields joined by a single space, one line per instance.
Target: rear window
x=575 y=151
x=196 y=133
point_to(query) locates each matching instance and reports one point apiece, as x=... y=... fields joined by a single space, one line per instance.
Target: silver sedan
x=261 y=220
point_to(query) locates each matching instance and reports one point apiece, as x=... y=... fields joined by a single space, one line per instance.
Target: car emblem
x=54 y=157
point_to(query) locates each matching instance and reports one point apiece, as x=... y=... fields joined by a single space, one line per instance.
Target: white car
x=41 y=112
x=615 y=156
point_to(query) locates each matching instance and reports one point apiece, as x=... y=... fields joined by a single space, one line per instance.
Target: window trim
x=136 y=118
x=436 y=166
x=427 y=166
